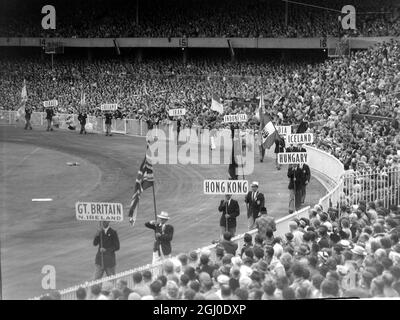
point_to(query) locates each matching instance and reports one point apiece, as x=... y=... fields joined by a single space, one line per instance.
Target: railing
x=372 y=185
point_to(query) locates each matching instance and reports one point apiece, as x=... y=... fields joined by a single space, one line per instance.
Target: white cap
x=254 y=183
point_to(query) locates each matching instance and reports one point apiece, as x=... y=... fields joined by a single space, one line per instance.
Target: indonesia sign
x=284 y=130
x=109 y=106
x=176 y=112
x=226 y=186
x=99 y=211
x=235 y=118
x=292 y=157
x=50 y=103
x=300 y=138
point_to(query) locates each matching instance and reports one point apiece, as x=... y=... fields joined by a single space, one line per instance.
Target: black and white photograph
x=223 y=150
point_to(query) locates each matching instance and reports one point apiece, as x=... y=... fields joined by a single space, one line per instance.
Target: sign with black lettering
x=183 y=42
x=284 y=130
x=176 y=112
x=226 y=186
x=235 y=118
x=99 y=211
x=50 y=103
x=109 y=106
x=300 y=138
x=292 y=157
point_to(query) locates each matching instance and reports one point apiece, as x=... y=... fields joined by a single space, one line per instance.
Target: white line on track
x=20 y=162
x=42 y=199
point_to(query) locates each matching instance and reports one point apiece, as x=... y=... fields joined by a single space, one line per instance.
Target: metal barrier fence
x=371 y=185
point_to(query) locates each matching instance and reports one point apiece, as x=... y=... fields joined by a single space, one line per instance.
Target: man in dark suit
x=108 y=116
x=49 y=118
x=295 y=174
x=305 y=180
x=230 y=210
x=28 y=114
x=255 y=200
x=82 y=120
x=108 y=242
x=279 y=148
x=163 y=233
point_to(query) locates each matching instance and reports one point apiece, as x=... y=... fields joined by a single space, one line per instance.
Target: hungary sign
x=292 y=157
x=109 y=107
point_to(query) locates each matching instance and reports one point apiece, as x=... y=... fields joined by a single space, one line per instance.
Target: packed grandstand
x=350 y=249
x=179 y=18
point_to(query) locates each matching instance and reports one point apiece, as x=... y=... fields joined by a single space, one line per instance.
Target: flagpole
x=154 y=197
x=155 y=210
x=241 y=156
x=1 y=279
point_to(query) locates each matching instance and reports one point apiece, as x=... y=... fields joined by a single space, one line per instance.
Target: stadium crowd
x=323 y=256
x=182 y=18
x=326 y=94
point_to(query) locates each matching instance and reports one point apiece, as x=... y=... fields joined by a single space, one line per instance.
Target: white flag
x=216 y=105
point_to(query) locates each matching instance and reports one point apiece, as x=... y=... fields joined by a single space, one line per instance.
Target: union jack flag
x=144 y=180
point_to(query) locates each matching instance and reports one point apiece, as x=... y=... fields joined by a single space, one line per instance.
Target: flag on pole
x=232 y=168
x=268 y=132
x=144 y=180
x=83 y=99
x=216 y=105
x=260 y=108
x=24 y=95
x=24 y=99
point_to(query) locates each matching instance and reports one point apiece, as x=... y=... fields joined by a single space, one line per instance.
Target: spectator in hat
x=264 y=222
x=163 y=236
x=254 y=200
x=193 y=259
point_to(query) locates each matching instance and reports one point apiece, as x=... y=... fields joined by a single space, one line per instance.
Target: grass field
x=35 y=234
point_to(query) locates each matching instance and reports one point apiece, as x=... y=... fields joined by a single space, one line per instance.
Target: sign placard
x=99 y=211
x=235 y=118
x=300 y=138
x=284 y=130
x=226 y=186
x=109 y=106
x=50 y=103
x=176 y=112
x=292 y=157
